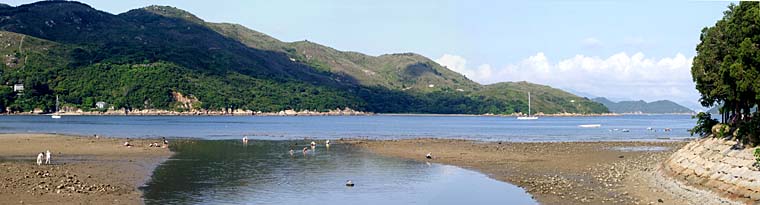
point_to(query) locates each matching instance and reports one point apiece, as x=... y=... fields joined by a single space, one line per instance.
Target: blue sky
x=617 y=49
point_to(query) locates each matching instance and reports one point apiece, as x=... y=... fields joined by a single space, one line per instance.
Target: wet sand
x=84 y=170
x=553 y=173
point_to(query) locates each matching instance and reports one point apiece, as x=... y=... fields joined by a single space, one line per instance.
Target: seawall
x=718 y=166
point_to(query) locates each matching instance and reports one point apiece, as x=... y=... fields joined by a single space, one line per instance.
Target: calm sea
x=375 y=127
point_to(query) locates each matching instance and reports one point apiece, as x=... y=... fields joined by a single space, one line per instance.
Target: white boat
x=590 y=126
x=528 y=117
x=55 y=114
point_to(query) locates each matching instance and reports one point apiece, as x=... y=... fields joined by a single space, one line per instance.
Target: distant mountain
x=161 y=57
x=656 y=107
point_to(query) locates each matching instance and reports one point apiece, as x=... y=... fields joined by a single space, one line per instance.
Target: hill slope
x=656 y=107
x=146 y=58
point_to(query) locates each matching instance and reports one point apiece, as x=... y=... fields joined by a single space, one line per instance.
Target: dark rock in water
x=660 y=200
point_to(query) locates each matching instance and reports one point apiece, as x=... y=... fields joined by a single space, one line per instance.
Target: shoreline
x=83 y=169
x=553 y=172
x=306 y=114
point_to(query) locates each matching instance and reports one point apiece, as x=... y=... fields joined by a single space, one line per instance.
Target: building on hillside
x=101 y=105
x=18 y=87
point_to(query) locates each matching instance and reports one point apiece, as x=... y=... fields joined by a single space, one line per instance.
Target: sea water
x=263 y=172
x=374 y=127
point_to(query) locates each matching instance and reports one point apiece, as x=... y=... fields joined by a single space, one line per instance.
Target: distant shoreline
x=314 y=113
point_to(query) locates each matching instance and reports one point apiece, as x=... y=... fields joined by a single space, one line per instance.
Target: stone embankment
x=716 y=165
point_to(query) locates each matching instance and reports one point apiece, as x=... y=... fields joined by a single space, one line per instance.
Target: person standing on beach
x=47 y=157
x=39 y=158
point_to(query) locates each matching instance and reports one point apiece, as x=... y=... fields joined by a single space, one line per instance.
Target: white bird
x=245 y=139
x=291 y=152
x=39 y=158
x=349 y=183
x=327 y=143
x=47 y=157
x=429 y=155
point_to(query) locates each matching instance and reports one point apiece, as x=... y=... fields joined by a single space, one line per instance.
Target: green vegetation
x=705 y=123
x=727 y=69
x=142 y=58
x=757 y=158
x=660 y=106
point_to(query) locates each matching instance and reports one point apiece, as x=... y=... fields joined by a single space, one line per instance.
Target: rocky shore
x=553 y=173
x=84 y=170
x=236 y=112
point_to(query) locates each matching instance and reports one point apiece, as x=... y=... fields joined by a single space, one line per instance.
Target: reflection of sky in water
x=226 y=172
x=383 y=127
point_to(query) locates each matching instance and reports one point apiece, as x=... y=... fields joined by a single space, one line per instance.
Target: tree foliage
x=727 y=66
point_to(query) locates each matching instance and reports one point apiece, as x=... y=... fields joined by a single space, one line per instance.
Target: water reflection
x=264 y=172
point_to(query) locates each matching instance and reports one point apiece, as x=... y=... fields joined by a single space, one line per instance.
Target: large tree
x=727 y=66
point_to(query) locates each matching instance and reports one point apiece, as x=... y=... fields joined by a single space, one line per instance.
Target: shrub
x=705 y=122
x=748 y=130
x=757 y=158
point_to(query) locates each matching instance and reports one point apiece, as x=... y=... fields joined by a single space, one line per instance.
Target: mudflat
x=83 y=170
x=552 y=172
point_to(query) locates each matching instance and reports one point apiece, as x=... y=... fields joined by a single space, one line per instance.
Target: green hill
x=544 y=99
x=656 y=107
x=145 y=58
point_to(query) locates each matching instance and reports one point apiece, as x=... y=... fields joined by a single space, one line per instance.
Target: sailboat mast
x=528 y=103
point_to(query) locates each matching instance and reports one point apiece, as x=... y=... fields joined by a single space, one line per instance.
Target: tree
x=725 y=69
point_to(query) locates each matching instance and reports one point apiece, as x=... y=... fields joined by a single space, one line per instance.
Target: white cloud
x=591 y=42
x=618 y=76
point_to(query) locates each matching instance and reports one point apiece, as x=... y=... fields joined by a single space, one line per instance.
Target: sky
x=622 y=50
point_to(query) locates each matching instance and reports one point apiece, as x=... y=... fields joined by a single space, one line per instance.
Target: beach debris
x=429 y=155
x=349 y=183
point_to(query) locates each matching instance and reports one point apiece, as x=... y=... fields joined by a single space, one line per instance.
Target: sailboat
x=55 y=114
x=528 y=117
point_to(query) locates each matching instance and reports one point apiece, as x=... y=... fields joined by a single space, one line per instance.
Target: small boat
x=590 y=126
x=55 y=114
x=528 y=117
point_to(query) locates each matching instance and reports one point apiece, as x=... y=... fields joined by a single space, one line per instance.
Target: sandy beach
x=553 y=173
x=84 y=170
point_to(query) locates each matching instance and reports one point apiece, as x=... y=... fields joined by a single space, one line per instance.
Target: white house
x=18 y=87
x=101 y=105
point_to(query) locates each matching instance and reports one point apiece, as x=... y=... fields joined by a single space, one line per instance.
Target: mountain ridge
x=640 y=106
x=223 y=66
